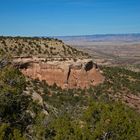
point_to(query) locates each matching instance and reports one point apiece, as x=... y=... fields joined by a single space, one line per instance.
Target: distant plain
x=110 y=50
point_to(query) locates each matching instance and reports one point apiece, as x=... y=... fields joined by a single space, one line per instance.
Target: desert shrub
x=13 y=103
x=99 y=121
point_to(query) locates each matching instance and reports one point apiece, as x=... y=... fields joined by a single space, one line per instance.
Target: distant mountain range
x=102 y=37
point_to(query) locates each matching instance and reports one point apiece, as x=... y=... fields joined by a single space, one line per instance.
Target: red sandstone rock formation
x=68 y=74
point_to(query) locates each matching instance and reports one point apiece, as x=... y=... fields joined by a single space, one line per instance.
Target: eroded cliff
x=66 y=74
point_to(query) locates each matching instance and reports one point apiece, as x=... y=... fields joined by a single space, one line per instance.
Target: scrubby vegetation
x=40 y=47
x=122 y=80
x=13 y=104
x=90 y=114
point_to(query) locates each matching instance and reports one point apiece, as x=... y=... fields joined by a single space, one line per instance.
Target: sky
x=68 y=17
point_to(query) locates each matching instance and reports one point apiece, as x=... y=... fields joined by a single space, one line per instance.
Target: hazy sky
x=68 y=17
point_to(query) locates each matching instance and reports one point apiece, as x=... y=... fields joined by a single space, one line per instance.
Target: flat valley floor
x=111 y=53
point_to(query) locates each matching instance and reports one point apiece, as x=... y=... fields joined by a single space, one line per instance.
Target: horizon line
x=97 y=34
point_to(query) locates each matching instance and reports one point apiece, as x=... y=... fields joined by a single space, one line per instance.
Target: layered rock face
x=66 y=74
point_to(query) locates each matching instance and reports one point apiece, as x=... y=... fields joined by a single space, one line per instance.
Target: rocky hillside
x=53 y=61
x=33 y=110
x=40 y=47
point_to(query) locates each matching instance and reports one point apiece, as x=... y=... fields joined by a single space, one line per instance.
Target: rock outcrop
x=66 y=74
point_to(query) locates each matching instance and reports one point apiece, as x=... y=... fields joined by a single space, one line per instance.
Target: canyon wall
x=65 y=74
